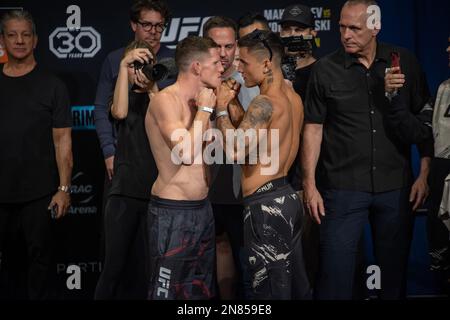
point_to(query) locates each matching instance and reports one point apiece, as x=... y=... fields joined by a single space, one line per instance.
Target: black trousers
x=124 y=273
x=346 y=214
x=229 y=219
x=105 y=194
x=26 y=226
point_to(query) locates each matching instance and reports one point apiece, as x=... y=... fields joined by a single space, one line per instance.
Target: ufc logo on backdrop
x=74 y=41
x=180 y=28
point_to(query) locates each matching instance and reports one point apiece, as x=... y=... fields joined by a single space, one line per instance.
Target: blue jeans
x=346 y=214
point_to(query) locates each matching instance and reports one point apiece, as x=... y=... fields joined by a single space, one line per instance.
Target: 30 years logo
x=75 y=41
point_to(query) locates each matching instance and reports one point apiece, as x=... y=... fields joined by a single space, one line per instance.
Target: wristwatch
x=65 y=189
x=390 y=95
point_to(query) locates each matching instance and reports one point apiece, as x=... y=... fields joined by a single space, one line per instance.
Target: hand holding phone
x=394 y=79
x=395 y=61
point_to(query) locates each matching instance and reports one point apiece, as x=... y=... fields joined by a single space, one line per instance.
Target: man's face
x=292 y=29
x=448 y=51
x=251 y=68
x=146 y=28
x=250 y=28
x=355 y=35
x=236 y=58
x=18 y=39
x=211 y=69
x=226 y=39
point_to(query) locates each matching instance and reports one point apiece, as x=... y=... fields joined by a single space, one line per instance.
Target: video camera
x=298 y=46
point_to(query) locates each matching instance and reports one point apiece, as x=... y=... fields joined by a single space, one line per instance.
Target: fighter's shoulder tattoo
x=260 y=110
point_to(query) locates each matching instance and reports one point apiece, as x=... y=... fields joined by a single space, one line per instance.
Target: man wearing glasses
x=148 y=20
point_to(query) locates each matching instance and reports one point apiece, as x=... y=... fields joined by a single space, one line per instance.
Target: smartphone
x=395 y=60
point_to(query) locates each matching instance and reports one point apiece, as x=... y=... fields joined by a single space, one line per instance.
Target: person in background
x=35 y=158
x=361 y=167
x=134 y=173
x=148 y=19
x=225 y=191
x=252 y=21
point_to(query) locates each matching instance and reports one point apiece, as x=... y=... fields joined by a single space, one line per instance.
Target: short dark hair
x=191 y=48
x=155 y=5
x=252 y=17
x=253 y=41
x=19 y=15
x=219 y=22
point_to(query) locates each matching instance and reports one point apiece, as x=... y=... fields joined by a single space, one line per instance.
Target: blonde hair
x=138 y=44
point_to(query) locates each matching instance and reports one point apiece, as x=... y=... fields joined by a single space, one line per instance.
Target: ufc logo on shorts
x=180 y=28
x=164 y=281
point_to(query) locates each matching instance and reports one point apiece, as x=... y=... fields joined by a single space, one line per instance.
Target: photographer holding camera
x=134 y=173
x=148 y=19
x=298 y=34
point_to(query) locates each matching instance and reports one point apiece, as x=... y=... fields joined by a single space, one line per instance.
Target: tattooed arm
x=244 y=139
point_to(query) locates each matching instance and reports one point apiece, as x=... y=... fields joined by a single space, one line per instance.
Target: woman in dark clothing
x=124 y=272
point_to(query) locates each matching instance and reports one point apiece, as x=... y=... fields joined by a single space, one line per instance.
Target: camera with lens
x=300 y=44
x=297 y=47
x=153 y=72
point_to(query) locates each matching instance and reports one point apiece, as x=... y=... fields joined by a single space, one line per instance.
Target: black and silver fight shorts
x=272 y=243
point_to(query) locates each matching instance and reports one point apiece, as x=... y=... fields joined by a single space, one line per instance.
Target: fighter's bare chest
x=188 y=117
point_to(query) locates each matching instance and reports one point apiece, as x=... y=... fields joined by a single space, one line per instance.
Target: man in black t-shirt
x=297 y=20
x=35 y=156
